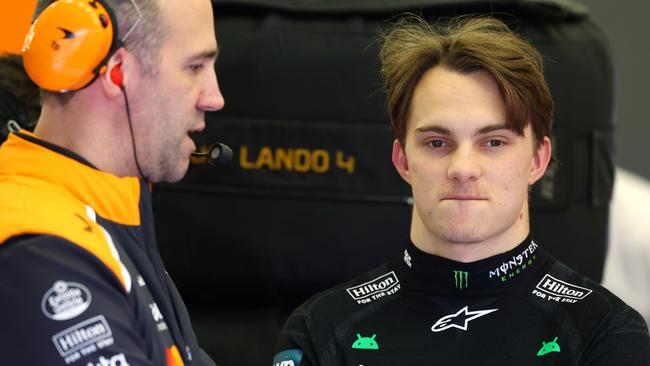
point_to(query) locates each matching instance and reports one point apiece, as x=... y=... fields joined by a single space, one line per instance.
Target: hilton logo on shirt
x=381 y=286
x=551 y=288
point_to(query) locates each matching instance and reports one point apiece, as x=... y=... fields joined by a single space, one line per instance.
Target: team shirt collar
x=493 y=274
x=114 y=198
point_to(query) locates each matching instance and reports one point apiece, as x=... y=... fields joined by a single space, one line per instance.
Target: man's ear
x=400 y=162
x=541 y=158
x=115 y=73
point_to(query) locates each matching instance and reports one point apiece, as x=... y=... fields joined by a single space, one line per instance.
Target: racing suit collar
x=494 y=274
x=51 y=167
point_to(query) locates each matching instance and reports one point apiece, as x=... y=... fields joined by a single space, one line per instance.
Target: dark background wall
x=625 y=24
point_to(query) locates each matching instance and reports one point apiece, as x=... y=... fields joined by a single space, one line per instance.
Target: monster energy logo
x=461 y=279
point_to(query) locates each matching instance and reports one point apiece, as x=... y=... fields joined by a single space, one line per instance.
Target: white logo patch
x=85 y=337
x=381 y=286
x=117 y=360
x=158 y=317
x=460 y=319
x=407 y=258
x=65 y=300
x=550 y=288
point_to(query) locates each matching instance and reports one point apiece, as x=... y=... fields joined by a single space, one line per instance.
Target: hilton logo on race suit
x=381 y=286
x=85 y=337
x=550 y=288
x=65 y=300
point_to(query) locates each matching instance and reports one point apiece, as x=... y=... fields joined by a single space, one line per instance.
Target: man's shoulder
x=576 y=288
x=365 y=293
x=49 y=252
x=592 y=308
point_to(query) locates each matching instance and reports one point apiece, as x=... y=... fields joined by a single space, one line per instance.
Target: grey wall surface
x=625 y=23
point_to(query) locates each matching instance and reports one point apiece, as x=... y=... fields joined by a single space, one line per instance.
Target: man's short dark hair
x=20 y=97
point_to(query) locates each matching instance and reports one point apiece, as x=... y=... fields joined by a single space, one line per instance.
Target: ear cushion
x=116 y=76
x=67 y=44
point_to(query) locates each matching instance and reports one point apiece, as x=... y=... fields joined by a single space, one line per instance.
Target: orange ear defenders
x=69 y=44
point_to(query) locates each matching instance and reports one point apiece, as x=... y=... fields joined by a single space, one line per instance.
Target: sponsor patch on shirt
x=407 y=258
x=116 y=360
x=516 y=265
x=290 y=357
x=553 y=289
x=157 y=316
x=83 y=339
x=384 y=285
x=460 y=319
x=65 y=300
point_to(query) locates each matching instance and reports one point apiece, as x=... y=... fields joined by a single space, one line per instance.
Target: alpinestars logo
x=460 y=319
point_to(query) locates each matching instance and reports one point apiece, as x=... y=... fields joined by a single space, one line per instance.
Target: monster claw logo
x=461 y=279
x=365 y=342
x=548 y=348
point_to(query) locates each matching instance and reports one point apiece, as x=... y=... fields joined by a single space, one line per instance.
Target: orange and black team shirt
x=521 y=307
x=81 y=281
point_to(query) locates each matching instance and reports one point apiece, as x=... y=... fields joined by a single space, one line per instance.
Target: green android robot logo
x=548 y=348
x=365 y=342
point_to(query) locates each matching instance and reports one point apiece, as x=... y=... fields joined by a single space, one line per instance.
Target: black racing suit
x=519 y=308
x=81 y=281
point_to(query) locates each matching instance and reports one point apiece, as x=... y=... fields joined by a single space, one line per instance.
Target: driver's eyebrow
x=448 y=132
x=437 y=129
x=490 y=128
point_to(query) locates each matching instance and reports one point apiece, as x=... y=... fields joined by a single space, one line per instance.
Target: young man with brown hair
x=472 y=115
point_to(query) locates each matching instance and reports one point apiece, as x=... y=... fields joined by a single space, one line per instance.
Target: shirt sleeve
x=622 y=340
x=295 y=343
x=61 y=306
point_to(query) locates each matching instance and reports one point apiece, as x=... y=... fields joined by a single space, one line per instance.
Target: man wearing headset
x=81 y=281
x=472 y=116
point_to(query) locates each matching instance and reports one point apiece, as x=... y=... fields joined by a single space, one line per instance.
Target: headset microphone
x=218 y=154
